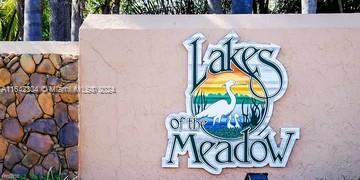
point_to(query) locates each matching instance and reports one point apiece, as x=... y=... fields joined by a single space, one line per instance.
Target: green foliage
x=164 y=6
x=323 y=6
x=9 y=17
x=226 y=6
x=98 y=7
x=332 y=6
x=50 y=175
x=286 y=6
x=8 y=20
x=93 y=7
x=46 y=16
x=351 y=6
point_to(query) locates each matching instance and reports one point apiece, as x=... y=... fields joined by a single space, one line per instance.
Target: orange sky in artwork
x=215 y=83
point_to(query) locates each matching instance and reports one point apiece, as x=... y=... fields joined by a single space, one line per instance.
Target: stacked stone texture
x=39 y=129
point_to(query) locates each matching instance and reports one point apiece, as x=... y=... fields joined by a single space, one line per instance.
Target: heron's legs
x=229 y=125
x=236 y=121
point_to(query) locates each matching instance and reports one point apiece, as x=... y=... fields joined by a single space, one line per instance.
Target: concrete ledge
x=37 y=47
x=264 y=21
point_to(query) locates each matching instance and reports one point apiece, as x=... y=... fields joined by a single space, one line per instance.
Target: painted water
x=239 y=121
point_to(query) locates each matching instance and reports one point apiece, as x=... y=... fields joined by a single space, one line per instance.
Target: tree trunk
x=20 y=14
x=341 y=9
x=75 y=20
x=260 y=6
x=105 y=9
x=263 y=6
x=82 y=9
x=60 y=25
x=32 y=20
x=256 y=7
x=189 y=7
x=241 y=6
x=308 y=6
x=214 y=7
x=115 y=9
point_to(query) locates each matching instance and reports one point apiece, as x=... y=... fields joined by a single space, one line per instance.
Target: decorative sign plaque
x=229 y=101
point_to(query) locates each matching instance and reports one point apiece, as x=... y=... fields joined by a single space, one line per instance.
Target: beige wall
x=123 y=136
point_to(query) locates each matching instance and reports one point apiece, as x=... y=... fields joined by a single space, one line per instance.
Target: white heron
x=221 y=107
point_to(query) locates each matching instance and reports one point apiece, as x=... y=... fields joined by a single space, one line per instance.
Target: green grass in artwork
x=227 y=133
x=212 y=98
x=199 y=102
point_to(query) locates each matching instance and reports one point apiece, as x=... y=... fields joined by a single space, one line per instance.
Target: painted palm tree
x=32 y=20
x=241 y=6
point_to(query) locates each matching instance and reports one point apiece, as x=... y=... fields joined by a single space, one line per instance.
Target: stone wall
x=39 y=120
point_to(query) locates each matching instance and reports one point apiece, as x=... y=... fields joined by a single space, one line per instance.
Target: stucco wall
x=123 y=135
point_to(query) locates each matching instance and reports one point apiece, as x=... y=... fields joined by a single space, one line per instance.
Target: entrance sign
x=230 y=95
